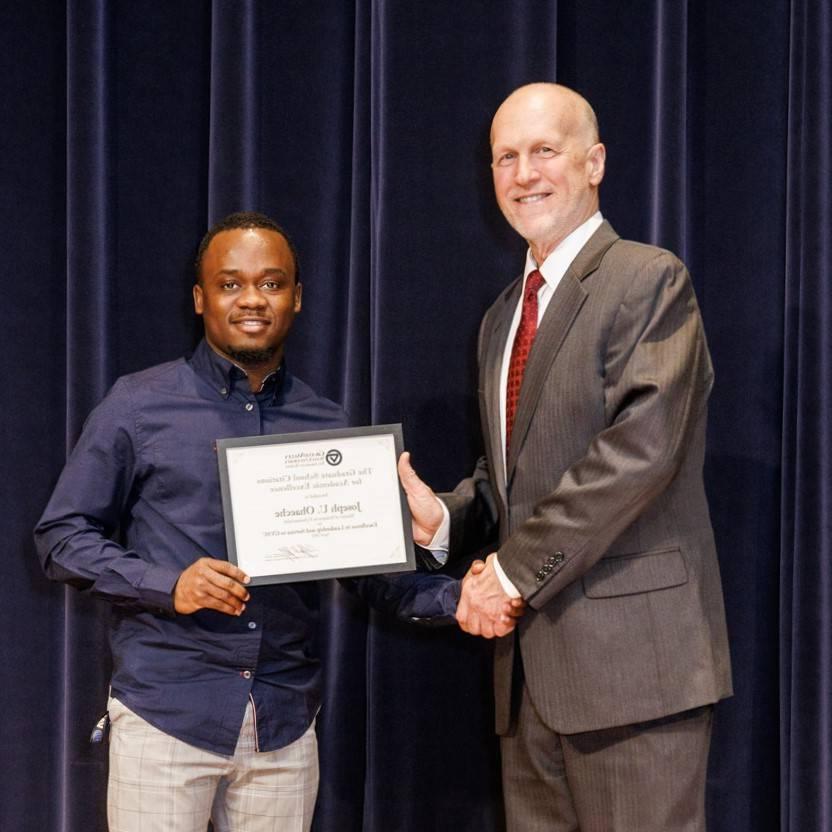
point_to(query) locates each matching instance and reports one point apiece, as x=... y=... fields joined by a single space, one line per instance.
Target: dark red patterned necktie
x=521 y=348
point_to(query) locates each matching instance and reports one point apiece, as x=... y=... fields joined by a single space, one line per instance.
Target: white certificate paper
x=306 y=506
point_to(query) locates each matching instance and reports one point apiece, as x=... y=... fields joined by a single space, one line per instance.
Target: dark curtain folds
x=363 y=129
x=234 y=112
x=806 y=537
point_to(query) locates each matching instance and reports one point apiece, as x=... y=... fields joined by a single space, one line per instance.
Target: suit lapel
x=498 y=324
x=560 y=314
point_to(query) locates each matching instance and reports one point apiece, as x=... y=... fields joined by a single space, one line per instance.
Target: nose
x=251 y=297
x=525 y=172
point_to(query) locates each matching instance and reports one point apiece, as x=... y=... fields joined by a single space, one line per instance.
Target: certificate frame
x=297 y=551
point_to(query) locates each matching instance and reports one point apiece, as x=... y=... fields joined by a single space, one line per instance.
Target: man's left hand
x=485 y=609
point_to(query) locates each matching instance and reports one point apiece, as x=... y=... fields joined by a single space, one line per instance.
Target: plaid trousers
x=160 y=784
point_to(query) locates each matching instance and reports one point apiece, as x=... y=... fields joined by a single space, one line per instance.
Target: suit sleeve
x=471 y=505
x=417 y=597
x=656 y=380
x=473 y=513
x=74 y=537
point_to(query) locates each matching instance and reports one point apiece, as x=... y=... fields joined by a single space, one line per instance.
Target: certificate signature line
x=299 y=552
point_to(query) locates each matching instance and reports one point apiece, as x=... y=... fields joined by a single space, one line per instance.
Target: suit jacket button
x=540 y=576
x=559 y=557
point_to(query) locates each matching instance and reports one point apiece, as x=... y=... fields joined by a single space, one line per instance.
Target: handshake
x=485 y=607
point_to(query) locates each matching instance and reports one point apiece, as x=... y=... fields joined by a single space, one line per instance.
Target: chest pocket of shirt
x=185 y=478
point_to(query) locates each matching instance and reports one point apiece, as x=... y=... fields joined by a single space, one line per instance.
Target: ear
x=198 y=299
x=298 y=297
x=596 y=158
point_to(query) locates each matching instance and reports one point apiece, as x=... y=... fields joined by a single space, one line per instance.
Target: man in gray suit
x=594 y=379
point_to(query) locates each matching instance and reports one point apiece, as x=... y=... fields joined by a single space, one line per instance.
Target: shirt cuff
x=508 y=586
x=157 y=588
x=440 y=543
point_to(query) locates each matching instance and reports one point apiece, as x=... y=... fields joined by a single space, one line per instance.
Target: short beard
x=251 y=357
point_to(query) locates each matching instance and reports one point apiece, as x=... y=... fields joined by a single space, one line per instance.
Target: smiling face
x=547 y=164
x=248 y=297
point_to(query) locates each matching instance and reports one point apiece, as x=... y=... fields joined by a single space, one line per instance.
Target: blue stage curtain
x=363 y=129
x=806 y=496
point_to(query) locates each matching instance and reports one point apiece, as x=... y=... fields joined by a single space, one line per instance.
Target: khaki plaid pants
x=161 y=784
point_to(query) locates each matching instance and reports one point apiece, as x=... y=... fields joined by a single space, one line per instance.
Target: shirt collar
x=554 y=267
x=223 y=375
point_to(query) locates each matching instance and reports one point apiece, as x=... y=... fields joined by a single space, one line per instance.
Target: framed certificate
x=321 y=504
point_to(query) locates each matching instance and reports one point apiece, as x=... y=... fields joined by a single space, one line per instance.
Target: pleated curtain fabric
x=363 y=128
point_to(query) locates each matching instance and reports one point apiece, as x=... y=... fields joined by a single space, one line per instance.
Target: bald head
x=547 y=163
x=576 y=112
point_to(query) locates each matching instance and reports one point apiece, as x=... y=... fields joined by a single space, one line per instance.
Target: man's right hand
x=485 y=609
x=425 y=509
x=512 y=609
x=211 y=584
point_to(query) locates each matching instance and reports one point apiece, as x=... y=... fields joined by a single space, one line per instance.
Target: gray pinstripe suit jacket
x=603 y=522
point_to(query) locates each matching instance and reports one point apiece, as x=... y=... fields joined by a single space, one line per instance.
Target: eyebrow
x=270 y=270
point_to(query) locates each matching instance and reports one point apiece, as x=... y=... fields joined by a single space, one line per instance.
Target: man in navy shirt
x=215 y=685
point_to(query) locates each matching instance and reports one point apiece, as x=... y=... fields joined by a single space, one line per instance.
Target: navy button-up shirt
x=146 y=467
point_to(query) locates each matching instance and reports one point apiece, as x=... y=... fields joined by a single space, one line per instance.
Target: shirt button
x=224 y=391
x=252 y=625
x=249 y=406
x=246 y=674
